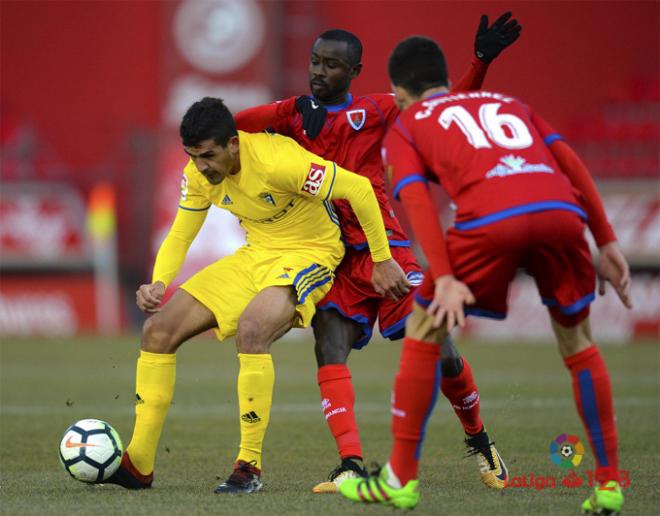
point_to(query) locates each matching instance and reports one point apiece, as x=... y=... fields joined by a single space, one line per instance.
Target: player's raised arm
x=489 y=42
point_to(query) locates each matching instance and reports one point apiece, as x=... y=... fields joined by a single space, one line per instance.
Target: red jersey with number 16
x=487 y=153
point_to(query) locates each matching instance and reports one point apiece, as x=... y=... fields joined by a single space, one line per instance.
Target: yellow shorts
x=227 y=286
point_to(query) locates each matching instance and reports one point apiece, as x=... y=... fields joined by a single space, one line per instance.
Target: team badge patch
x=357 y=118
x=314 y=179
x=415 y=278
x=267 y=197
x=184 y=187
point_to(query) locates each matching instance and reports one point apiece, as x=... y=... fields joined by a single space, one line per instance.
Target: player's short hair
x=207 y=119
x=417 y=64
x=353 y=43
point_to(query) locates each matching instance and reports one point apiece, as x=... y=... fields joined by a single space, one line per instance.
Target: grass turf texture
x=526 y=403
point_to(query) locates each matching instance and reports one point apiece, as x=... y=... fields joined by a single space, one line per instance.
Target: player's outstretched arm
x=489 y=42
x=613 y=268
x=388 y=277
x=259 y=118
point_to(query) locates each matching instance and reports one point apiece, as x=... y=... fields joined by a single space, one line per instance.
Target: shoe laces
x=483 y=448
x=243 y=473
x=347 y=465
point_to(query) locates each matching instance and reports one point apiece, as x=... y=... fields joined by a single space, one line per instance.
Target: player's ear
x=355 y=70
x=232 y=144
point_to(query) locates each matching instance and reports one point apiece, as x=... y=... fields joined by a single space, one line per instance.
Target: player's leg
x=415 y=392
x=266 y=318
x=562 y=267
x=457 y=383
x=180 y=319
x=335 y=336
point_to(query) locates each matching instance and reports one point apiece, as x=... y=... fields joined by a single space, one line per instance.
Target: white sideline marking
x=212 y=411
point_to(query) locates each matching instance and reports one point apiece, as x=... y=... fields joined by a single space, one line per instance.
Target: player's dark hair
x=207 y=119
x=417 y=64
x=353 y=43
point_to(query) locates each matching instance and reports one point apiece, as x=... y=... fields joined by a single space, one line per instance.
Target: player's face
x=214 y=161
x=330 y=72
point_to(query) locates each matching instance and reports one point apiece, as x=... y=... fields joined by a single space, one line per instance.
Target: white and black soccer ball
x=91 y=450
x=567 y=451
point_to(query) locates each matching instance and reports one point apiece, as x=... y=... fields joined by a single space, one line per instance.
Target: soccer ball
x=567 y=450
x=91 y=450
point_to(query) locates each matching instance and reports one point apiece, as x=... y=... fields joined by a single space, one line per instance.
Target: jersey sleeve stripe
x=552 y=138
x=533 y=207
x=194 y=209
x=365 y=245
x=332 y=183
x=331 y=212
x=413 y=178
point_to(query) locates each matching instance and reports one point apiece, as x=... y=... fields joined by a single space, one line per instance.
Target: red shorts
x=353 y=295
x=548 y=245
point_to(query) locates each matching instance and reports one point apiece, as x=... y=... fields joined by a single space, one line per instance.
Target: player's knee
x=334 y=337
x=157 y=336
x=572 y=336
x=250 y=337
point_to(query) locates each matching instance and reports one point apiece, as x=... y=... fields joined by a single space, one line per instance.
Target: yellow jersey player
x=282 y=195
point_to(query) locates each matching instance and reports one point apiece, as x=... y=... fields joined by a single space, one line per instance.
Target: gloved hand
x=313 y=115
x=490 y=41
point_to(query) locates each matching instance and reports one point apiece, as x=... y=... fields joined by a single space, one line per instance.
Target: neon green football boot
x=375 y=489
x=606 y=499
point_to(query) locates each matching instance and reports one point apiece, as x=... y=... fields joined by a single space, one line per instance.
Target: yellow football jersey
x=281 y=196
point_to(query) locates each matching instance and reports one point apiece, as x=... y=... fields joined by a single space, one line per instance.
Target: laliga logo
x=566 y=451
x=218 y=36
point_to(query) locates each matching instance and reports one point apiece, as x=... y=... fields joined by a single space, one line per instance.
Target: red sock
x=463 y=395
x=338 y=399
x=593 y=396
x=415 y=392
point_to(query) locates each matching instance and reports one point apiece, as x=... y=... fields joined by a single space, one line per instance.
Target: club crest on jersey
x=314 y=179
x=184 y=187
x=267 y=197
x=415 y=278
x=357 y=118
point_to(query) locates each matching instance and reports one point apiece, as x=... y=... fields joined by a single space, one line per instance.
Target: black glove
x=313 y=115
x=490 y=41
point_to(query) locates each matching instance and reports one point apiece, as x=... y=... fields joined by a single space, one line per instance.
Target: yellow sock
x=256 y=379
x=154 y=388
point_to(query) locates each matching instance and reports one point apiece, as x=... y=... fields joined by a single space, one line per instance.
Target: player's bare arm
x=613 y=268
x=148 y=297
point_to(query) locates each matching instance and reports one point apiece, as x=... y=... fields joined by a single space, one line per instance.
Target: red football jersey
x=352 y=138
x=487 y=153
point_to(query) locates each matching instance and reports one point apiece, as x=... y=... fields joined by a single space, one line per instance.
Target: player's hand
x=313 y=115
x=613 y=267
x=389 y=280
x=490 y=41
x=148 y=297
x=448 y=300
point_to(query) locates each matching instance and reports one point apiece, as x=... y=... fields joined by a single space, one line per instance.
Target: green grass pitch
x=526 y=403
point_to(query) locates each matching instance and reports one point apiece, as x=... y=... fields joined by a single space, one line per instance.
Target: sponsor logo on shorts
x=314 y=179
x=415 y=278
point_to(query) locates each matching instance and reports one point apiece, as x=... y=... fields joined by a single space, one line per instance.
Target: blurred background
x=91 y=94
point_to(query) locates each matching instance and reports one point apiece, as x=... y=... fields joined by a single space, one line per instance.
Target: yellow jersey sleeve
x=358 y=191
x=193 y=207
x=192 y=196
x=299 y=171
